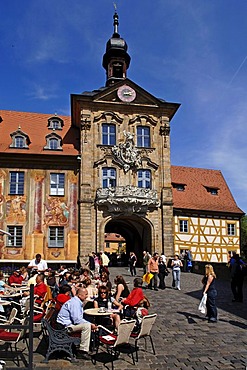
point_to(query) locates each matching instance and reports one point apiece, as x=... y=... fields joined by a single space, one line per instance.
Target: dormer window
x=20 y=140
x=179 y=187
x=55 y=123
x=53 y=142
x=212 y=190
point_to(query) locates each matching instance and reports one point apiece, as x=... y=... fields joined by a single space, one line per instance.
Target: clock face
x=126 y=93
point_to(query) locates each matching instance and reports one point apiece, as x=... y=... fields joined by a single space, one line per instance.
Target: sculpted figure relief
x=126 y=154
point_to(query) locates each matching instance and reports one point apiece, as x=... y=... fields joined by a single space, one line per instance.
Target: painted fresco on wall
x=56 y=212
x=2 y=178
x=16 y=209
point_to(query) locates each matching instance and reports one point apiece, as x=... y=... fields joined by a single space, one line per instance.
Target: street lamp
x=3 y=232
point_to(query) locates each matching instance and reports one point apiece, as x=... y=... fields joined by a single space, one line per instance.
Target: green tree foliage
x=244 y=235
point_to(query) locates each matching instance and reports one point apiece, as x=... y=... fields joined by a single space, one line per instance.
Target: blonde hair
x=209 y=270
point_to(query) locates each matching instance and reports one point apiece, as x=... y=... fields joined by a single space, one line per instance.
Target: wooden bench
x=58 y=340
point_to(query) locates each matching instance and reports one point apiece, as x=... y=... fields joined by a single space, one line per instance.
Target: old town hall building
x=67 y=182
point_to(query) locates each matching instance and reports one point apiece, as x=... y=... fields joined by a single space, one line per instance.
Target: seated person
x=38 y=264
x=135 y=299
x=63 y=296
x=104 y=300
x=92 y=291
x=32 y=279
x=40 y=289
x=104 y=280
x=3 y=285
x=15 y=279
x=84 y=274
x=71 y=317
x=122 y=291
x=24 y=273
x=51 y=282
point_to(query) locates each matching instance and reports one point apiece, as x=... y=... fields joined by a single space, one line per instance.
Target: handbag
x=202 y=305
x=147 y=277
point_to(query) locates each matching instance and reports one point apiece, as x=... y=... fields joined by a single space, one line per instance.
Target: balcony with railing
x=127 y=199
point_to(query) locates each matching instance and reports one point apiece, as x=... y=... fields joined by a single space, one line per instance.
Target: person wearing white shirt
x=38 y=264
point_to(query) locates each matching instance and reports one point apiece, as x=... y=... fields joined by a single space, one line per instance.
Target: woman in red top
x=15 y=279
x=63 y=296
x=136 y=295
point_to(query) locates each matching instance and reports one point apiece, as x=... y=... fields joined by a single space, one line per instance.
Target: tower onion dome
x=116 y=53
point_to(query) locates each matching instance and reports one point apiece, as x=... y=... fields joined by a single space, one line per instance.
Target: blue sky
x=192 y=52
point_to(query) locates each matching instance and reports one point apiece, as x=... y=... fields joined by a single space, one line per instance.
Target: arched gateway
x=137 y=231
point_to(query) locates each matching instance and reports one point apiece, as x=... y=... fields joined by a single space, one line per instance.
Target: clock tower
x=116 y=60
x=125 y=180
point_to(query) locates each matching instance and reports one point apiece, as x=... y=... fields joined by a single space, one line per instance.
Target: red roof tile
x=196 y=197
x=35 y=126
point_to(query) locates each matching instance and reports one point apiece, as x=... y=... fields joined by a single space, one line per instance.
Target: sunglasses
x=103 y=293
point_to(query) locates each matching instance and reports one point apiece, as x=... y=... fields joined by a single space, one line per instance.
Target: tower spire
x=116 y=60
x=115 y=23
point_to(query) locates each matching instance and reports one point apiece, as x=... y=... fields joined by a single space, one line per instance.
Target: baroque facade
x=67 y=182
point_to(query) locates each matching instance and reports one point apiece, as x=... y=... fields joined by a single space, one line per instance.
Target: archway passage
x=137 y=233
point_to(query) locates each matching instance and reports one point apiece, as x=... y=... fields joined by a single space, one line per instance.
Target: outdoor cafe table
x=97 y=312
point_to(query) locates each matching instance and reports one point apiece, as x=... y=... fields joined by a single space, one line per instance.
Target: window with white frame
x=108 y=134
x=108 y=177
x=183 y=226
x=56 y=237
x=231 y=229
x=15 y=240
x=53 y=142
x=144 y=179
x=20 y=140
x=55 y=123
x=57 y=181
x=143 y=136
x=16 y=183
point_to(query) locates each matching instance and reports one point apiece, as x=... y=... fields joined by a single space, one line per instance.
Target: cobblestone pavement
x=183 y=338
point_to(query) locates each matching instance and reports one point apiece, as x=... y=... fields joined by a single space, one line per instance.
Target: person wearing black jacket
x=237 y=279
x=163 y=272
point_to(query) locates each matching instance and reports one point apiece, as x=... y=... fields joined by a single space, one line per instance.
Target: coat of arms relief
x=126 y=154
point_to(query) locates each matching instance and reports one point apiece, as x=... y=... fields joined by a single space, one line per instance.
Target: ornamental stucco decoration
x=127 y=199
x=126 y=154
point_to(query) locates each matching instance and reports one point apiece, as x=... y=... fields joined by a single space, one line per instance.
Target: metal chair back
x=124 y=330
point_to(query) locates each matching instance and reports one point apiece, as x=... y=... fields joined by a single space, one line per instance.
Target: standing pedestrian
x=153 y=267
x=132 y=263
x=176 y=271
x=91 y=263
x=163 y=272
x=210 y=289
x=145 y=259
x=237 y=279
x=96 y=257
x=104 y=262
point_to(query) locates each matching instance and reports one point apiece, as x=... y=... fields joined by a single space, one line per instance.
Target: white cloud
x=41 y=93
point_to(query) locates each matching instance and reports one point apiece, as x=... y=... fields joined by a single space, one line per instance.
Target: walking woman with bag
x=176 y=271
x=208 y=282
x=163 y=272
